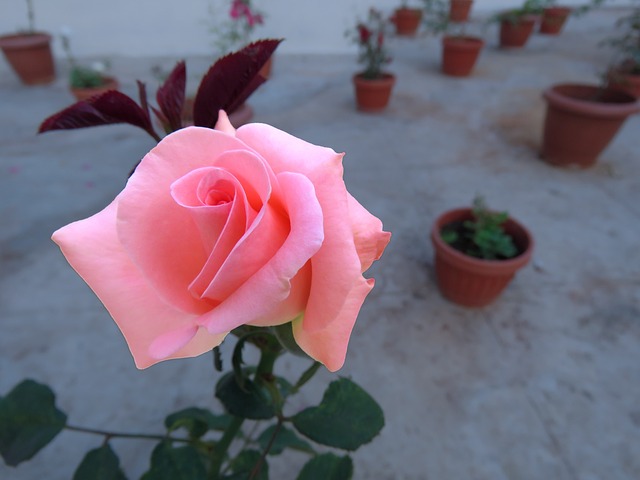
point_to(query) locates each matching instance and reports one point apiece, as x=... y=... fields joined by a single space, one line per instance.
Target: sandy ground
x=543 y=384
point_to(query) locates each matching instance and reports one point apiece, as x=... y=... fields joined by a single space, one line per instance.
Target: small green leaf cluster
x=627 y=42
x=85 y=77
x=484 y=236
x=196 y=443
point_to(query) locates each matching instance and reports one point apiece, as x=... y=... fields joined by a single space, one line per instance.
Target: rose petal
x=224 y=124
x=257 y=298
x=92 y=248
x=369 y=238
x=336 y=266
x=329 y=345
x=146 y=206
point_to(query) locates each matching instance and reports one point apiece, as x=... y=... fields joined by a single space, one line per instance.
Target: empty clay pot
x=30 y=57
x=459 y=55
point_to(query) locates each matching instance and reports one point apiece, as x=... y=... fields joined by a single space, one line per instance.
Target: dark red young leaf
x=170 y=96
x=230 y=81
x=105 y=109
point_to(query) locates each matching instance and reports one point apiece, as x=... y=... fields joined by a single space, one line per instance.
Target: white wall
x=178 y=28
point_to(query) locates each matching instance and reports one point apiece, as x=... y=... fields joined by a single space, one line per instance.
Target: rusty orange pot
x=474 y=282
x=459 y=55
x=553 y=19
x=580 y=122
x=407 y=20
x=459 y=10
x=110 y=83
x=515 y=33
x=373 y=94
x=29 y=55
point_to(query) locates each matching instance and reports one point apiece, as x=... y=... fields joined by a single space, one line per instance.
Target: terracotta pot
x=373 y=94
x=470 y=281
x=628 y=82
x=30 y=57
x=459 y=10
x=110 y=83
x=580 y=122
x=553 y=19
x=407 y=20
x=516 y=33
x=459 y=55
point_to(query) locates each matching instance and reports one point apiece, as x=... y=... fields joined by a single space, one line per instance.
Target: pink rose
x=218 y=229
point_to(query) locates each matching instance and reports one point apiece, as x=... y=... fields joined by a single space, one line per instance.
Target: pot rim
x=477 y=264
x=463 y=41
x=557 y=10
x=563 y=101
x=24 y=40
x=385 y=78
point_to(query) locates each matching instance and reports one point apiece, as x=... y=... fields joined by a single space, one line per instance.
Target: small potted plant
x=237 y=30
x=625 y=74
x=553 y=16
x=406 y=19
x=29 y=53
x=373 y=86
x=86 y=81
x=459 y=51
x=459 y=10
x=516 y=25
x=477 y=253
x=581 y=120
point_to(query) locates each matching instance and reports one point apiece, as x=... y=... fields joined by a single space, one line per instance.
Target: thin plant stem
x=109 y=434
x=256 y=468
x=223 y=445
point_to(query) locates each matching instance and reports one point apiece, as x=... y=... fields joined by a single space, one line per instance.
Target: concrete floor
x=544 y=384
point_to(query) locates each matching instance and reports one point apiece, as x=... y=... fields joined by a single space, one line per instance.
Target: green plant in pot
x=553 y=16
x=29 y=52
x=460 y=51
x=516 y=25
x=477 y=253
x=86 y=81
x=373 y=85
x=625 y=72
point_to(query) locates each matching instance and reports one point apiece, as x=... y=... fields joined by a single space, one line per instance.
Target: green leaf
x=182 y=463
x=100 y=464
x=284 y=439
x=347 y=417
x=253 y=402
x=243 y=465
x=327 y=467
x=29 y=420
x=197 y=421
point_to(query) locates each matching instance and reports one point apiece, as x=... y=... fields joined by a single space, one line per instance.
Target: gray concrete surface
x=544 y=384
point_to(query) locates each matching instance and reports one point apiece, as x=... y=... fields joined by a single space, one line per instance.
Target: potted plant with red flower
x=243 y=19
x=29 y=53
x=477 y=253
x=406 y=19
x=373 y=86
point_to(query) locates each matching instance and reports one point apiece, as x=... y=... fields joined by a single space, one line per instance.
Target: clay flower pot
x=553 y=19
x=473 y=282
x=459 y=10
x=30 y=57
x=407 y=20
x=580 y=122
x=459 y=55
x=514 y=33
x=373 y=94
x=626 y=81
x=81 y=93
